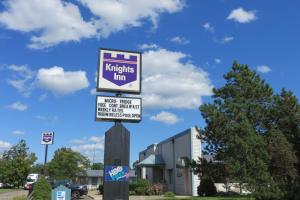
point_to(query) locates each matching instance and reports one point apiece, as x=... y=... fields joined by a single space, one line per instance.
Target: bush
x=19 y=198
x=100 y=189
x=42 y=190
x=141 y=190
x=142 y=187
x=156 y=189
x=169 y=195
x=132 y=192
x=132 y=186
x=207 y=187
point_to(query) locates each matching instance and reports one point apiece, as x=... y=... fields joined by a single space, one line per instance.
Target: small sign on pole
x=118 y=108
x=116 y=173
x=47 y=138
x=119 y=71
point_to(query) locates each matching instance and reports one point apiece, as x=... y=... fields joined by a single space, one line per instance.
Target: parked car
x=31 y=178
x=1 y=185
x=77 y=190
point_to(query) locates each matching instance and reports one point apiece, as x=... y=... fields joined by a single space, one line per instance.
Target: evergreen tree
x=241 y=132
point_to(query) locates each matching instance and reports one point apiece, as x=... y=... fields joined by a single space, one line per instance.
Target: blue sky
x=49 y=52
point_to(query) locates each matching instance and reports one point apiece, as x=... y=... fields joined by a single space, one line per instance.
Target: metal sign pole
x=46 y=155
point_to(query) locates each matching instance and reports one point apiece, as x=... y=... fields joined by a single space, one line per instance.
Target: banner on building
x=119 y=71
x=118 y=108
x=116 y=173
x=47 y=138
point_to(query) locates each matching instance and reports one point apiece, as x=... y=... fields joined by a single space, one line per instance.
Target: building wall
x=178 y=180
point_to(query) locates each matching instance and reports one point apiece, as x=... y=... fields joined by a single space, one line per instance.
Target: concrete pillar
x=143 y=172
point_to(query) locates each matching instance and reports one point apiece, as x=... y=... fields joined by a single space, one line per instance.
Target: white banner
x=118 y=108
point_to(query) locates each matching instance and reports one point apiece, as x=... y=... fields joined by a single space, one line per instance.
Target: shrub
x=142 y=187
x=133 y=186
x=100 y=189
x=207 y=187
x=132 y=192
x=156 y=189
x=19 y=198
x=141 y=190
x=169 y=195
x=42 y=190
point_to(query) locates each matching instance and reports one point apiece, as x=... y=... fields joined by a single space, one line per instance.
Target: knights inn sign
x=119 y=71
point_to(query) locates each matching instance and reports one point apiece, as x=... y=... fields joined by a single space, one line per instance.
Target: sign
x=119 y=71
x=118 y=108
x=116 y=173
x=47 y=138
x=61 y=195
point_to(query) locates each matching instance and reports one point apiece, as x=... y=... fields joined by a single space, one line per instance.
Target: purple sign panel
x=47 y=138
x=119 y=71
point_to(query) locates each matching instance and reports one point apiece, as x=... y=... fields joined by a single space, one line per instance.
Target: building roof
x=152 y=160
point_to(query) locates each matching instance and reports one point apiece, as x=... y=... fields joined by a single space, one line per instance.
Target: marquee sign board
x=47 y=138
x=118 y=108
x=116 y=173
x=119 y=71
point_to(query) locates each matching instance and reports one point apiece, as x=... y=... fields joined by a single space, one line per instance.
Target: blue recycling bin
x=61 y=193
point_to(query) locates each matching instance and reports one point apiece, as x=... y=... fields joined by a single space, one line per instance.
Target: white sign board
x=47 y=138
x=119 y=71
x=118 y=108
x=61 y=195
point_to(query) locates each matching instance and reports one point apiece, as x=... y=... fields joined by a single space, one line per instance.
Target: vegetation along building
x=167 y=162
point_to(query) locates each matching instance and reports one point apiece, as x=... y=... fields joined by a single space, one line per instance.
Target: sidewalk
x=97 y=196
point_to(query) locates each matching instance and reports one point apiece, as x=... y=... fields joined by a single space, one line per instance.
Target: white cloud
x=208 y=27
x=169 y=82
x=22 y=78
x=148 y=46
x=43 y=97
x=4 y=145
x=166 y=117
x=18 y=106
x=91 y=147
x=218 y=61
x=242 y=16
x=50 y=21
x=93 y=91
x=263 y=69
x=117 y=15
x=225 y=40
x=18 y=132
x=61 y=82
x=179 y=40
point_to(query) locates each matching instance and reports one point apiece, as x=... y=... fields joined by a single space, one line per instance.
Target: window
x=94 y=180
x=170 y=176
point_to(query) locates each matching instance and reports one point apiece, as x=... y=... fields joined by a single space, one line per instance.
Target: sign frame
x=116 y=89
x=52 y=138
x=118 y=120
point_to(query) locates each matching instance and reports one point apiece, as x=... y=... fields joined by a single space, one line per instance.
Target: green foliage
x=142 y=187
x=20 y=198
x=207 y=187
x=15 y=164
x=66 y=164
x=254 y=133
x=42 y=190
x=97 y=166
x=37 y=168
x=169 y=194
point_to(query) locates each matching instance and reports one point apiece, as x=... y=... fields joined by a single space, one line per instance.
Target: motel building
x=167 y=162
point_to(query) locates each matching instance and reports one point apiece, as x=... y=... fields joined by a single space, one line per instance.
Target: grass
x=212 y=198
x=6 y=190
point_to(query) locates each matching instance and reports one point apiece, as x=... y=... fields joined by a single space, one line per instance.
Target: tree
x=97 y=166
x=241 y=132
x=66 y=164
x=37 y=168
x=15 y=164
